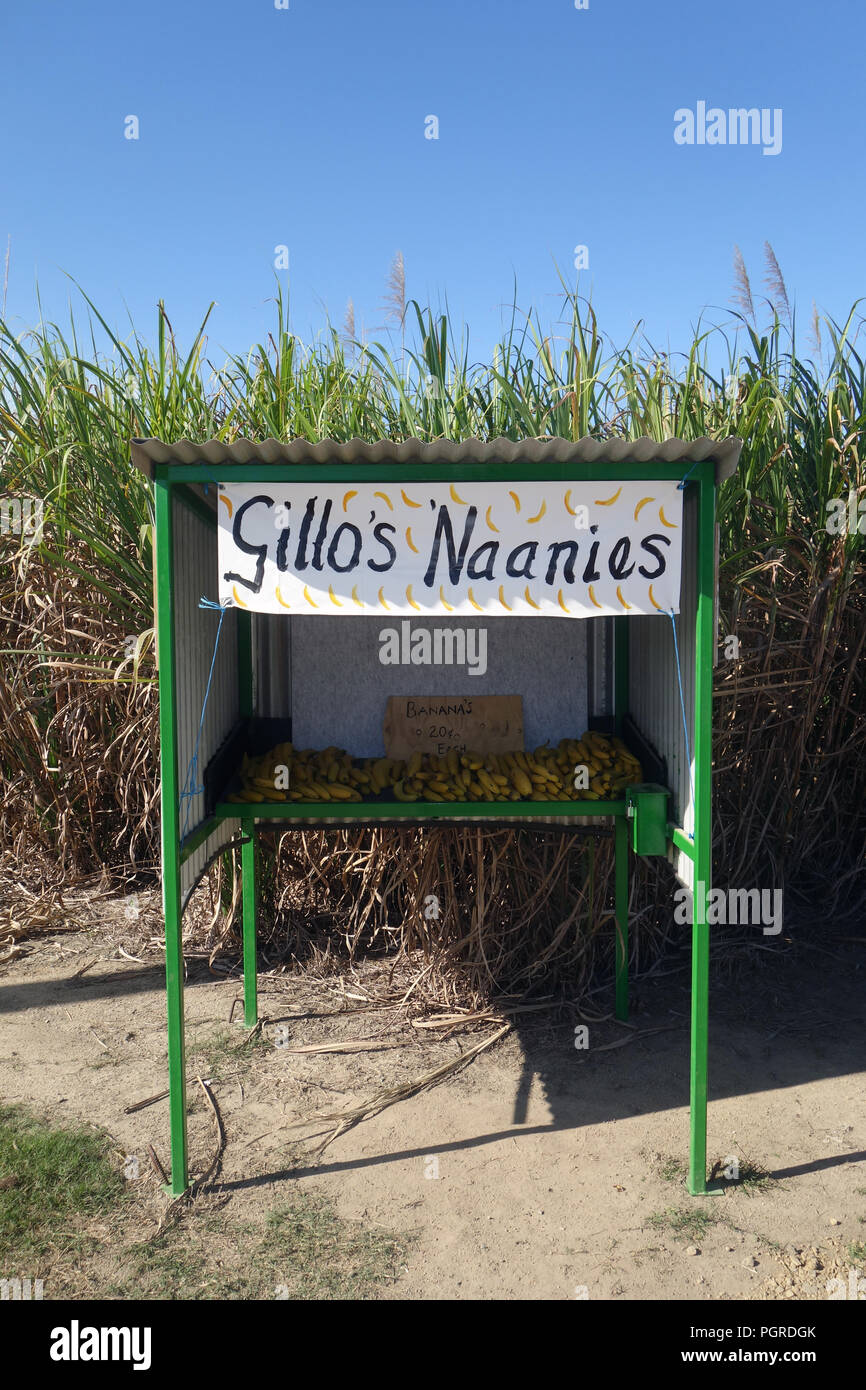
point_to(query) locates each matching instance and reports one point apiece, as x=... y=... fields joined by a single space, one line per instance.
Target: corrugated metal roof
x=723 y=452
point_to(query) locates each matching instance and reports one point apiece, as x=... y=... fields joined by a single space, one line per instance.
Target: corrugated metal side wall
x=654 y=699
x=272 y=665
x=195 y=575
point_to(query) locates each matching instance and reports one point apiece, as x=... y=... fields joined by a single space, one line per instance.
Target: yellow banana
x=487 y=782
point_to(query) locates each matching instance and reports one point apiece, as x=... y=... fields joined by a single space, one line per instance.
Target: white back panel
x=654 y=699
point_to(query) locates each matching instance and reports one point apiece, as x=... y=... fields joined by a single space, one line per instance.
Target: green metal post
x=248 y=876
x=248 y=828
x=621 y=910
x=620 y=706
x=703 y=755
x=164 y=562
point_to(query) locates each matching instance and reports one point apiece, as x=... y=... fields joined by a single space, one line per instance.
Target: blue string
x=192 y=769
x=681 y=484
x=683 y=710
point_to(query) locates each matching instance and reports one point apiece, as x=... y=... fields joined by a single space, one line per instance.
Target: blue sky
x=304 y=127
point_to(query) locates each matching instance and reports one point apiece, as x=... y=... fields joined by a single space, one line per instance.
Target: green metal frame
x=620 y=709
x=169 y=477
x=703 y=831
x=170 y=791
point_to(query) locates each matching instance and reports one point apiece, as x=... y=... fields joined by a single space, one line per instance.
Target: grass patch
x=313 y=1254
x=171 y=1266
x=303 y=1250
x=672 y=1169
x=57 y=1176
x=691 y=1223
x=857 y=1250
x=214 y=1056
x=62 y=1179
x=752 y=1177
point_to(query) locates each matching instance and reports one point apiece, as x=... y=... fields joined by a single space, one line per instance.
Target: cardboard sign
x=435 y=723
x=501 y=549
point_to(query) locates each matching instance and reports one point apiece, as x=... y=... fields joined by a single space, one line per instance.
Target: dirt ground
x=540 y=1170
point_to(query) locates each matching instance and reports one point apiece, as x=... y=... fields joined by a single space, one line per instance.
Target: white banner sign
x=527 y=549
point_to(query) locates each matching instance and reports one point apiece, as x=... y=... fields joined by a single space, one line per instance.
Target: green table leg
x=248 y=876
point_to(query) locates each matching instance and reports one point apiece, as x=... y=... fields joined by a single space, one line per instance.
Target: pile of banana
x=591 y=768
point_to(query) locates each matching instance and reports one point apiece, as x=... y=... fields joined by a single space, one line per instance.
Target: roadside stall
x=535 y=645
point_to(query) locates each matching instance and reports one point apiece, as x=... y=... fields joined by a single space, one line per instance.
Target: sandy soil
x=540 y=1170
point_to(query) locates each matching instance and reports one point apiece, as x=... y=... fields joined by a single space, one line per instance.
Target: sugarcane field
x=433 y=684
